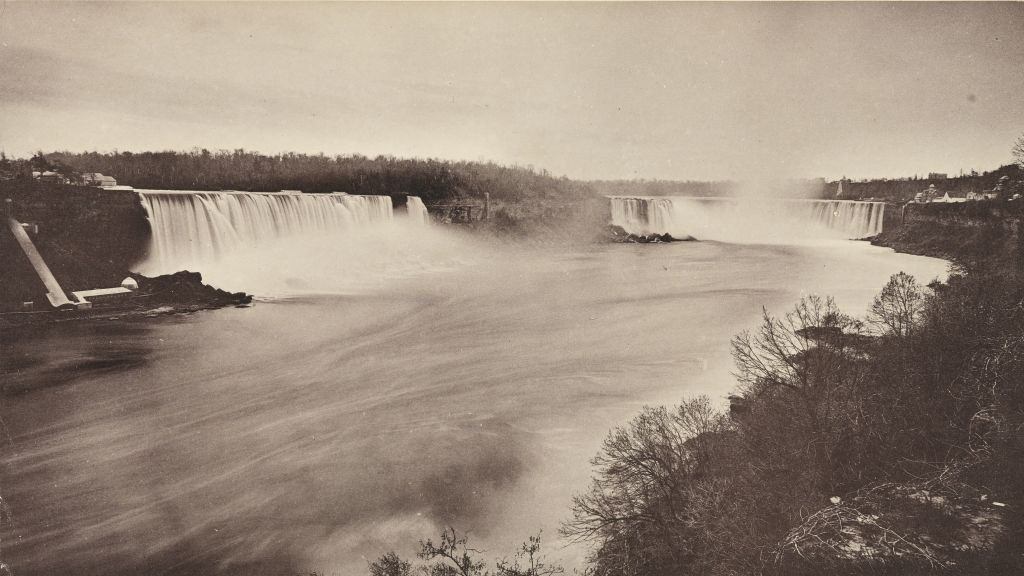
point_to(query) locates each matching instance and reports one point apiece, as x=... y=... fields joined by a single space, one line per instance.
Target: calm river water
x=317 y=431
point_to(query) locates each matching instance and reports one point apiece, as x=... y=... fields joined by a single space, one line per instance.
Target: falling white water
x=286 y=243
x=189 y=227
x=416 y=210
x=748 y=220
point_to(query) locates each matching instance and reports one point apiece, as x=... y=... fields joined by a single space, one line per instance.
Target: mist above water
x=286 y=244
x=747 y=220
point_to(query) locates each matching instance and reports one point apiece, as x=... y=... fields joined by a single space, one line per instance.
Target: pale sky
x=674 y=91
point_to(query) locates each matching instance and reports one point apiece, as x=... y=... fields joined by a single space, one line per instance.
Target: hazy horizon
x=592 y=91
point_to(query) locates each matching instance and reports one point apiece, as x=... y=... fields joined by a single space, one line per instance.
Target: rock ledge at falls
x=619 y=234
x=179 y=293
x=185 y=291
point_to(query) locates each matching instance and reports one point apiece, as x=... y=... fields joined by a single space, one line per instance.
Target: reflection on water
x=317 y=433
x=84 y=351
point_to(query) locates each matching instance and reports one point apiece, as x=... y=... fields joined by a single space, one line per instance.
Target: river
x=358 y=409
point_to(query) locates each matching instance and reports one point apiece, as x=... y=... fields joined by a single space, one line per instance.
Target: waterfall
x=201 y=227
x=747 y=219
x=416 y=210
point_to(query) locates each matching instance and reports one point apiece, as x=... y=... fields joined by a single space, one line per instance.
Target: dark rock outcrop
x=178 y=293
x=620 y=235
x=186 y=289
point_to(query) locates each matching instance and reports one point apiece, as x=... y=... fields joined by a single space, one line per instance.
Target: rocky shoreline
x=179 y=293
x=965 y=235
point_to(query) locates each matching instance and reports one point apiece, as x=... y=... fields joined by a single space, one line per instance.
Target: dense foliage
x=522 y=200
x=431 y=179
x=890 y=445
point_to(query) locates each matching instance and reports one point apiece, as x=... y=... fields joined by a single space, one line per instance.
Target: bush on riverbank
x=887 y=446
x=451 y=555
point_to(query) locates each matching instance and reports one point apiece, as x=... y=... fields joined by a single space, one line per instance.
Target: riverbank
x=883 y=445
x=887 y=445
x=179 y=293
x=966 y=234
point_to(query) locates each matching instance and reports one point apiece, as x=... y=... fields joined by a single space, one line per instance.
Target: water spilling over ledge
x=417 y=210
x=277 y=243
x=195 y=226
x=747 y=220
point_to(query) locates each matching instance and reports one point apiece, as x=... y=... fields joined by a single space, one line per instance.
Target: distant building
x=998 y=191
x=947 y=199
x=51 y=177
x=927 y=195
x=937 y=176
x=97 y=179
x=977 y=196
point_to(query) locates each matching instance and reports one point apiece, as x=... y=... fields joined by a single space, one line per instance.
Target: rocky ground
x=618 y=234
x=178 y=293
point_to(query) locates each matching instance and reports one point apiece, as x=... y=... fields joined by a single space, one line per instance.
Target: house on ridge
x=97 y=179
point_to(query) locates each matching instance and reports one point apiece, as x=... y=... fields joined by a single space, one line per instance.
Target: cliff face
x=89 y=237
x=967 y=233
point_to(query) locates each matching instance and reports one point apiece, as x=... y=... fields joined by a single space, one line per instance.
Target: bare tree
x=638 y=507
x=532 y=563
x=809 y=364
x=452 y=555
x=898 y=306
x=804 y=351
x=390 y=565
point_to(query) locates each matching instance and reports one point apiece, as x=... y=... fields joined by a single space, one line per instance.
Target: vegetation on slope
x=889 y=445
x=432 y=180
